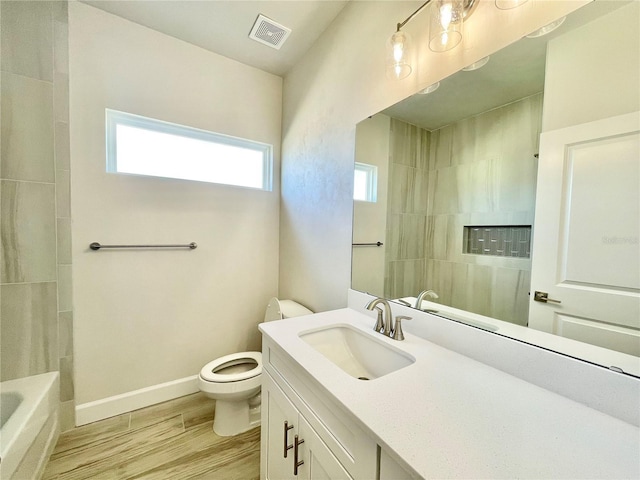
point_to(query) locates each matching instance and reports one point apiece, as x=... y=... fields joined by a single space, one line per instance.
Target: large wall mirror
x=516 y=180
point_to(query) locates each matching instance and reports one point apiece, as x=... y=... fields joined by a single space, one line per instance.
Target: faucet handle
x=397 y=331
x=379 y=326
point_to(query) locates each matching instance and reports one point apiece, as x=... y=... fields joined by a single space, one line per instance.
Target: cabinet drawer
x=346 y=439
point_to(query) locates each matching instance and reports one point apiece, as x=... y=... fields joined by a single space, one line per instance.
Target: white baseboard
x=127 y=402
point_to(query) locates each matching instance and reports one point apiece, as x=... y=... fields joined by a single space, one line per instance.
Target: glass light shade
x=398 y=51
x=445 y=31
x=509 y=4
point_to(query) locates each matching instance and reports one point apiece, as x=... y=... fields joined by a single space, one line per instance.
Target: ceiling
x=223 y=26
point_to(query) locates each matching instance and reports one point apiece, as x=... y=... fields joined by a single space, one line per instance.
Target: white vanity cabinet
x=302 y=425
x=293 y=449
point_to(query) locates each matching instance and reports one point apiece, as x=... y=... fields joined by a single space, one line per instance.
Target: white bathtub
x=29 y=425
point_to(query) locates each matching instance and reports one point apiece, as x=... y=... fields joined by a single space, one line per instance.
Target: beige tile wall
x=406 y=209
x=477 y=171
x=36 y=309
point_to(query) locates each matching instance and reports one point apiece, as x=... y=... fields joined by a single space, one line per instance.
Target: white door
x=586 y=236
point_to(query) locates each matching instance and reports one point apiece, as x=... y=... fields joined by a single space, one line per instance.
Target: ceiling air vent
x=268 y=32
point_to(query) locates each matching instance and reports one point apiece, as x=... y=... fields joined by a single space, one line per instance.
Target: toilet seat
x=209 y=374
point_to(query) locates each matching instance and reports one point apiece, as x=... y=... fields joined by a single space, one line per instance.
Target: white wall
x=593 y=72
x=339 y=82
x=147 y=317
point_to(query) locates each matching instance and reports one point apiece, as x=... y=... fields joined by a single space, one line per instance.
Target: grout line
x=28 y=181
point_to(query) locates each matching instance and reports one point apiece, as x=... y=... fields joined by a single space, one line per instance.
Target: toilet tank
x=279 y=309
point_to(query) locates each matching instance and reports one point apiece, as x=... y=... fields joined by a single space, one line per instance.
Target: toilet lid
x=233 y=368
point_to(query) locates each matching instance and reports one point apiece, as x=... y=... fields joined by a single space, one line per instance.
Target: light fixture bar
x=402 y=24
x=467 y=8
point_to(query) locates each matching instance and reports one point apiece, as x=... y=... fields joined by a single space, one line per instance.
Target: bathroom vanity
x=342 y=401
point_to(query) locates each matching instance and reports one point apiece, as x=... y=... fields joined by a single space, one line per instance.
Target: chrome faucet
x=423 y=294
x=383 y=325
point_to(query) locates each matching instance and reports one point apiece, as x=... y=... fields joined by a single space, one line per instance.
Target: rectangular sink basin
x=357 y=353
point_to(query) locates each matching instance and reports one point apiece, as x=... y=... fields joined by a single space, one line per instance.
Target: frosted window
x=144 y=146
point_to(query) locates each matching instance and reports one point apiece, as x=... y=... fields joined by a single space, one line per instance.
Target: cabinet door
x=319 y=462
x=315 y=460
x=390 y=469
x=278 y=414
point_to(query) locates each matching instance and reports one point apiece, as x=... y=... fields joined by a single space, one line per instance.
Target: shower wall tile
x=510 y=291
x=67 y=415
x=27 y=38
x=482 y=172
x=477 y=186
x=28 y=228
x=471 y=288
x=60 y=11
x=65 y=301
x=408 y=202
x=403 y=143
x=66 y=379
x=35 y=175
x=409 y=145
x=402 y=278
x=408 y=192
x=460 y=286
x=516 y=190
x=27 y=129
x=439 y=278
x=62 y=147
x=481 y=282
x=63 y=193
x=405 y=236
x=61 y=97
x=441 y=148
x=64 y=241
x=521 y=128
x=477 y=138
x=65 y=334
x=29 y=329
x=424 y=149
x=60 y=38
x=443 y=190
x=441 y=246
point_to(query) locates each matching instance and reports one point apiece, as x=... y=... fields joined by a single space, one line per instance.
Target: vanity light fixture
x=398 y=51
x=445 y=27
x=476 y=65
x=509 y=4
x=547 y=28
x=445 y=32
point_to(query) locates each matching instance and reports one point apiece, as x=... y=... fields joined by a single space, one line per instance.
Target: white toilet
x=234 y=380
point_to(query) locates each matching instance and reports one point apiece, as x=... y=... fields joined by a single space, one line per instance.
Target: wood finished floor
x=172 y=440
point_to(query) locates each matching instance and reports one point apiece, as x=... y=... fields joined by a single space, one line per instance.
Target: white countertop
x=448 y=416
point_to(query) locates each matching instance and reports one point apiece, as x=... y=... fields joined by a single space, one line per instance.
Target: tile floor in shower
x=172 y=440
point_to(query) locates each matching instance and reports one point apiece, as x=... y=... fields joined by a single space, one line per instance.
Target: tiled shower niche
x=498 y=241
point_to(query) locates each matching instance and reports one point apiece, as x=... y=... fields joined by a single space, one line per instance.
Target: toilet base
x=233 y=418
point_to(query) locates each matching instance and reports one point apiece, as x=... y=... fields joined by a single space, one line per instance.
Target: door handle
x=287 y=447
x=296 y=463
x=543 y=297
